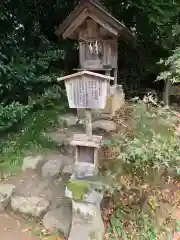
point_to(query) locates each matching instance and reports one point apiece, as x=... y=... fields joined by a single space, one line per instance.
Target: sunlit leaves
x=172 y=65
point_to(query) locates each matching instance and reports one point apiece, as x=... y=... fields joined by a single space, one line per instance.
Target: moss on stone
x=78 y=188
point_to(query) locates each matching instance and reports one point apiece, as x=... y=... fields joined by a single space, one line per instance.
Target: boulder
x=104 y=125
x=69 y=119
x=58 y=137
x=6 y=191
x=59 y=220
x=31 y=162
x=52 y=168
x=31 y=206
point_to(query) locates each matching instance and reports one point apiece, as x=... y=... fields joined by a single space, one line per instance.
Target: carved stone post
x=87 y=222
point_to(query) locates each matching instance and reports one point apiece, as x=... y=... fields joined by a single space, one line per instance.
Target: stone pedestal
x=115 y=100
x=87 y=222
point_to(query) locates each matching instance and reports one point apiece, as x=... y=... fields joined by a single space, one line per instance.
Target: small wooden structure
x=97 y=32
x=84 y=144
x=87 y=89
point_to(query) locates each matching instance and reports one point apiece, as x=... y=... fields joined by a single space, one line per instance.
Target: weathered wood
x=86 y=89
x=75 y=24
x=94 y=69
x=82 y=50
x=107 y=55
x=71 y=76
x=86 y=154
x=115 y=76
x=166 y=92
x=99 y=12
x=104 y=24
x=88 y=122
x=93 y=141
x=92 y=28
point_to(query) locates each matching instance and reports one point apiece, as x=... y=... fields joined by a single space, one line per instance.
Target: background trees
x=31 y=56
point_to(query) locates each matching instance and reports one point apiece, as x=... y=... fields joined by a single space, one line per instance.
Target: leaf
x=36 y=233
x=114 y=221
x=112 y=238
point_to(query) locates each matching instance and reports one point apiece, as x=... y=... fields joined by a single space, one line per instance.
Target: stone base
x=82 y=229
x=87 y=222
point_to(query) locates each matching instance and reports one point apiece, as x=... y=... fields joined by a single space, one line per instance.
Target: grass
x=29 y=137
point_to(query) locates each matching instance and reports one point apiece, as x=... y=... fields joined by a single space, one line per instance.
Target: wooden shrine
x=97 y=32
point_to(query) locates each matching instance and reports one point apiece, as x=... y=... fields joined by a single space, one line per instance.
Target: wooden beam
x=76 y=23
x=103 y=24
x=166 y=92
x=104 y=77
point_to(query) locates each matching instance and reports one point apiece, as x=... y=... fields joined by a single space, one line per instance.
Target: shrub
x=155 y=143
x=12 y=114
x=52 y=98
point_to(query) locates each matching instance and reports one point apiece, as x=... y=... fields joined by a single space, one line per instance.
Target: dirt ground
x=12 y=228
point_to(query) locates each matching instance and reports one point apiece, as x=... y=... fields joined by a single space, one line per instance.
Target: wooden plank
x=88 y=122
x=106 y=16
x=98 y=11
x=86 y=154
x=92 y=64
x=104 y=77
x=104 y=24
x=109 y=55
x=62 y=27
x=166 y=92
x=93 y=141
x=114 y=52
x=93 y=69
x=81 y=54
x=92 y=28
x=115 y=76
x=76 y=23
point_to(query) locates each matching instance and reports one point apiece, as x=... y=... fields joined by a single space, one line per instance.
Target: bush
x=52 y=98
x=12 y=114
x=155 y=143
x=150 y=153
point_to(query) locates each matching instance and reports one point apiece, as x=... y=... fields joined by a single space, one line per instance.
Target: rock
x=33 y=206
x=69 y=120
x=68 y=169
x=68 y=163
x=59 y=220
x=59 y=138
x=6 y=191
x=52 y=168
x=105 y=125
x=31 y=162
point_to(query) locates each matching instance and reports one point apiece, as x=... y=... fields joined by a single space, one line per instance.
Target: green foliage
x=155 y=144
x=52 y=98
x=172 y=64
x=178 y=226
x=30 y=137
x=142 y=226
x=12 y=114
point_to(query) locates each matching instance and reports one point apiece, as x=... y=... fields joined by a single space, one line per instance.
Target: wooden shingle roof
x=84 y=10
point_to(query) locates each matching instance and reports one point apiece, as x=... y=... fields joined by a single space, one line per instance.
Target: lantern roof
x=95 y=10
x=83 y=73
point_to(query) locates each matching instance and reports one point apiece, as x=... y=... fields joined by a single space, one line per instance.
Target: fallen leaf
x=25 y=230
